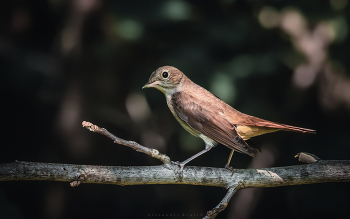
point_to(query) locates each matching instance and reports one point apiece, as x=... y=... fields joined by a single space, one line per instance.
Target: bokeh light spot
x=268 y=17
x=129 y=29
x=137 y=107
x=223 y=87
x=241 y=66
x=176 y=10
x=339 y=28
x=339 y=4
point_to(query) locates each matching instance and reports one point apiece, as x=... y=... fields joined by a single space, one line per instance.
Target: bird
x=206 y=116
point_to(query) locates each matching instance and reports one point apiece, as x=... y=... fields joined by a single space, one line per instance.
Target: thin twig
x=224 y=202
x=152 y=152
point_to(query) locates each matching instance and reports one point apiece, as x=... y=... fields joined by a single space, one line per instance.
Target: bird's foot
x=181 y=165
x=176 y=162
x=229 y=168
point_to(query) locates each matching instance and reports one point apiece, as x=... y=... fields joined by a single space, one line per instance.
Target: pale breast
x=182 y=123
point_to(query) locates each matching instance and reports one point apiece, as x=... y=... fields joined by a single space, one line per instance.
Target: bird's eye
x=165 y=74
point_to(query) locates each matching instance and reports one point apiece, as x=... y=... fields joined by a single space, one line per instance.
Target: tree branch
x=316 y=171
x=319 y=172
x=223 y=204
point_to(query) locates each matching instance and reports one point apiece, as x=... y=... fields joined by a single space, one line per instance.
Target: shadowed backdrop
x=63 y=62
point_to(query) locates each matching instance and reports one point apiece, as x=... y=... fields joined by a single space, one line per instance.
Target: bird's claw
x=229 y=168
x=181 y=168
x=175 y=162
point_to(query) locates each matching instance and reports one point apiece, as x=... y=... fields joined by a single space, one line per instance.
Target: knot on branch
x=217 y=210
x=77 y=182
x=90 y=126
x=154 y=152
x=240 y=185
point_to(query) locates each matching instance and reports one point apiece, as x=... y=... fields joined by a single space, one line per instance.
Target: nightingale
x=206 y=116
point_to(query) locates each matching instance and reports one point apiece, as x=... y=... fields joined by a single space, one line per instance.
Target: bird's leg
x=227 y=166
x=183 y=163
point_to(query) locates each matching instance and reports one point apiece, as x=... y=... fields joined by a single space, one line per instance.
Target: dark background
x=63 y=62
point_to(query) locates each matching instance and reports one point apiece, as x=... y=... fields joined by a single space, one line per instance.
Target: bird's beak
x=150 y=84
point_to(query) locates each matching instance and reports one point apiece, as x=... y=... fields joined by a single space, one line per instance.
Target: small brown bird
x=206 y=116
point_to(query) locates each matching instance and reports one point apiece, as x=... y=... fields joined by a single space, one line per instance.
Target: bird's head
x=166 y=79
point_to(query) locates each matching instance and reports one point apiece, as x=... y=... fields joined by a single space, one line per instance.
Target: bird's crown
x=165 y=77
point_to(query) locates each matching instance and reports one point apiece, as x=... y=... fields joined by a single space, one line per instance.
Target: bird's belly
x=187 y=127
x=248 y=131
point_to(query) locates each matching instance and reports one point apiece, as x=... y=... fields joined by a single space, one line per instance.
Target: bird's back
x=247 y=126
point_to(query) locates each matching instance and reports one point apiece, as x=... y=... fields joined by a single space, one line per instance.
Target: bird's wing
x=210 y=120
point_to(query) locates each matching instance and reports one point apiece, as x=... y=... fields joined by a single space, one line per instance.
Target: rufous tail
x=297 y=129
x=265 y=123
